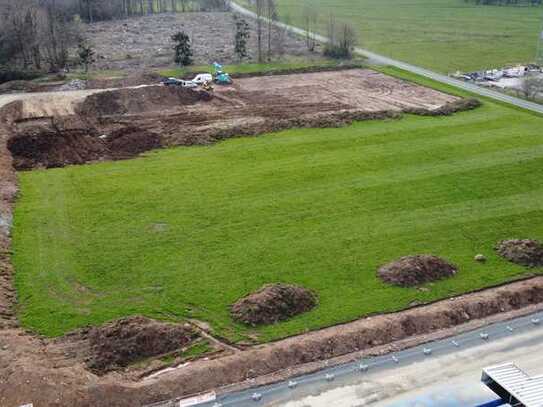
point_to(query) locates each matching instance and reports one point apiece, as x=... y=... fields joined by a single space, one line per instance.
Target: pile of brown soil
x=415 y=270
x=273 y=303
x=139 y=100
x=53 y=144
x=119 y=343
x=51 y=149
x=130 y=141
x=449 y=108
x=525 y=252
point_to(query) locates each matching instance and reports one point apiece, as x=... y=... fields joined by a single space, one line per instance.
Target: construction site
x=137 y=360
x=226 y=204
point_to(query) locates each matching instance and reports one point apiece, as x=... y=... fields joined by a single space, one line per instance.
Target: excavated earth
x=147 y=117
x=415 y=270
x=119 y=343
x=525 y=252
x=61 y=129
x=273 y=303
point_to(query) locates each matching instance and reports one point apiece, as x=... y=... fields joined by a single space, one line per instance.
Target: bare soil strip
x=55 y=373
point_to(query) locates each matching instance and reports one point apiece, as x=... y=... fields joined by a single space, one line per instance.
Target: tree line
x=35 y=35
x=96 y=10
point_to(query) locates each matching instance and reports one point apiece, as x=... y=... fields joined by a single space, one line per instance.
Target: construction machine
x=221 y=77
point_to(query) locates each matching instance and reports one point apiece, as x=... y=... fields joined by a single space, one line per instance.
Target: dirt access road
x=48 y=103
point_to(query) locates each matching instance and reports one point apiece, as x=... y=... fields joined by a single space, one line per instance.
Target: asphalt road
x=383 y=60
x=448 y=380
x=445 y=373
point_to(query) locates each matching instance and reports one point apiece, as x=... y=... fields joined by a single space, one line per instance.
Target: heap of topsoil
x=415 y=270
x=53 y=145
x=525 y=252
x=122 y=342
x=156 y=98
x=273 y=303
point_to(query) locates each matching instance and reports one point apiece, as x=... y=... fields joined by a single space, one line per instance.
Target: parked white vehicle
x=202 y=78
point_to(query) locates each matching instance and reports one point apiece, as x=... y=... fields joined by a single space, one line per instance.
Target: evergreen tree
x=241 y=38
x=183 y=50
x=86 y=54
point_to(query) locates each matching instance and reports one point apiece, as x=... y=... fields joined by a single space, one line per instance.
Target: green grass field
x=287 y=64
x=444 y=35
x=184 y=232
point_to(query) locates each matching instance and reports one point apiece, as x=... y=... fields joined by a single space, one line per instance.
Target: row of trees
x=95 y=10
x=36 y=34
x=342 y=36
x=266 y=15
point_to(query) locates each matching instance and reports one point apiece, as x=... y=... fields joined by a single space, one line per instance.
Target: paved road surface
x=450 y=380
x=383 y=60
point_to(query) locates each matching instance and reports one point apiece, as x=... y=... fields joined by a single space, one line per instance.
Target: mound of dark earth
x=415 y=270
x=525 y=252
x=119 y=343
x=51 y=146
x=156 y=98
x=273 y=303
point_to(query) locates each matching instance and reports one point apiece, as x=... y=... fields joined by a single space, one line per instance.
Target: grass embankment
x=185 y=232
x=287 y=65
x=443 y=35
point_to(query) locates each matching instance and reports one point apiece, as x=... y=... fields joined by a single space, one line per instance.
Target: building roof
x=514 y=385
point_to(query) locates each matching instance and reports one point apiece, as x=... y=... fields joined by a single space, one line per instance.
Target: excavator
x=221 y=77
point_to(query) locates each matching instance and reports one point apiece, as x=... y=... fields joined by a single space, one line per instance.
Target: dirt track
x=50 y=372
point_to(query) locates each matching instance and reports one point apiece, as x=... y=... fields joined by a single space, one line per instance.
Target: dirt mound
x=273 y=303
x=525 y=252
x=52 y=149
x=119 y=343
x=52 y=144
x=130 y=141
x=410 y=271
x=449 y=108
x=139 y=100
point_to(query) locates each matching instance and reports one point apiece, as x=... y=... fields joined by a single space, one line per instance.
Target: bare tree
x=271 y=18
x=341 y=39
x=36 y=32
x=260 y=7
x=310 y=21
x=281 y=34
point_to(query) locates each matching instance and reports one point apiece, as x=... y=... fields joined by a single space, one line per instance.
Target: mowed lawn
x=444 y=35
x=185 y=232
